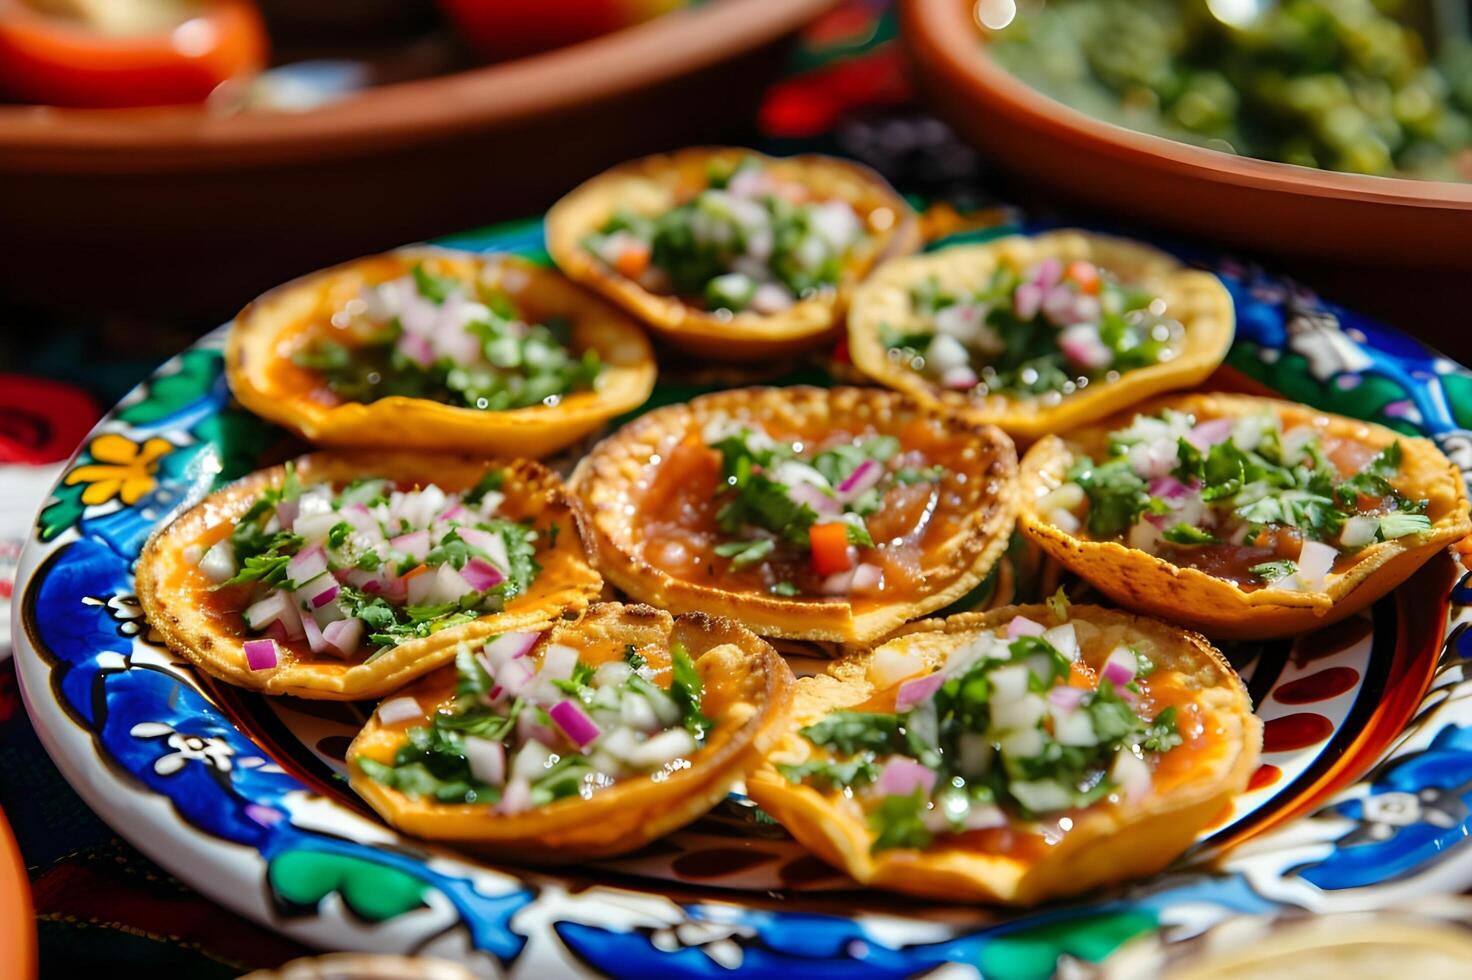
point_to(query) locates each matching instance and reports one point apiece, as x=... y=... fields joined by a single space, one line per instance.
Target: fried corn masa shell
x=263 y=338
x=655 y=184
x=207 y=629
x=613 y=481
x=1216 y=606
x=1110 y=841
x=1197 y=299
x=747 y=692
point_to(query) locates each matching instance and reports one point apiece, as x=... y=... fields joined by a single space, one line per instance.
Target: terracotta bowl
x=185 y=212
x=1275 y=207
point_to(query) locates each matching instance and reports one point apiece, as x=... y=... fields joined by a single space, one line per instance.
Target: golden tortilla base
x=277 y=324
x=174 y=593
x=1197 y=299
x=653 y=185
x=1217 y=607
x=609 y=482
x=1109 y=842
x=748 y=691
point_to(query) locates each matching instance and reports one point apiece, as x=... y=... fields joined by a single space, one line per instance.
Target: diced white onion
x=663 y=748
x=1359 y=531
x=397 y=710
x=1064 y=639
x=1041 y=796
x=218 y=563
x=894 y=663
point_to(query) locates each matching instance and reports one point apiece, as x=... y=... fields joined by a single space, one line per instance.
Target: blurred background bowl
x=177 y=210
x=1275 y=208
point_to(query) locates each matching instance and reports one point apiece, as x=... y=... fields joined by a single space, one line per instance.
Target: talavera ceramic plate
x=1361 y=801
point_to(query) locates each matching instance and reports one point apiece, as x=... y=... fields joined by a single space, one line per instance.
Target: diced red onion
x=867 y=578
x=362 y=579
x=513 y=677
x=1058 y=304
x=528 y=729
x=509 y=646
x=569 y=716
x=771 y=298
x=1120 y=667
x=286 y=512
x=959 y=379
x=313 y=632
x=822 y=504
x=864 y=476
x=1066 y=696
x=393 y=588
x=449 y=584
x=481 y=574
x=324 y=597
x=450 y=338
x=478 y=538
x=1155 y=457
x=901 y=777
x=416 y=348
x=1210 y=433
x=415 y=544
x=1131 y=775
x=358 y=517
x=417 y=590
x=839 y=583
x=457 y=512
x=1315 y=561
x=1026 y=301
x=917 y=690
x=1082 y=345
x=344 y=636
x=1086 y=309
x=262 y=654
x=291 y=619
x=487 y=760
x=259 y=615
x=305 y=566
x=1022 y=626
x=1047 y=273
x=517 y=797
x=1168 y=488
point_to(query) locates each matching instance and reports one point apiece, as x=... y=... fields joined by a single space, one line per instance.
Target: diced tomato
x=633 y=261
x=829 y=543
x=1086 y=275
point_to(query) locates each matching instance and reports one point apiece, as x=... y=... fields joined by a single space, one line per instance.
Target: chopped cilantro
x=1187 y=534
x=1271 y=571
x=687 y=690
x=491 y=481
x=744 y=553
x=899 y=821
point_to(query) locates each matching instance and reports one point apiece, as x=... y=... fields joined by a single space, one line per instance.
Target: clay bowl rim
x=944 y=34
x=186 y=138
